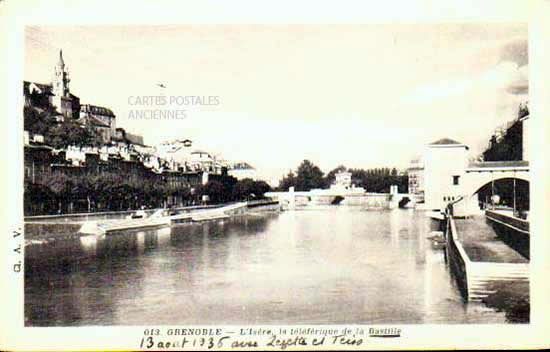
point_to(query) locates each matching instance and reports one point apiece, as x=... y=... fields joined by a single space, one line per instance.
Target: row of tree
x=379 y=180
x=309 y=176
x=229 y=190
x=59 y=193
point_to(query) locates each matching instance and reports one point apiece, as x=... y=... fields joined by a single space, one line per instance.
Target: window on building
x=456 y=180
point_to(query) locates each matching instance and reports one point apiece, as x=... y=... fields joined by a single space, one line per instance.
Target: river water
x=327 y=266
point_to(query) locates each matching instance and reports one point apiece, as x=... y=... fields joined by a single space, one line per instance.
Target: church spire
x=60 y=82
x=61 y=63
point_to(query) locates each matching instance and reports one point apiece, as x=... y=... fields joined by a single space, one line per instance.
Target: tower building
x=66 y=104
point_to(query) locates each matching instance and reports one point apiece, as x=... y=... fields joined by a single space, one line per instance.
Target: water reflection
x=89 y=245
x=332 y=266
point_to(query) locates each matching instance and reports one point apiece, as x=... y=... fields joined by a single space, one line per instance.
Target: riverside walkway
x=481 y=259
x=66 y=226
x=482 y=244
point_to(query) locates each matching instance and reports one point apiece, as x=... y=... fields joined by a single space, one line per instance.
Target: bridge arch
x=477 y=181
x=478 y=189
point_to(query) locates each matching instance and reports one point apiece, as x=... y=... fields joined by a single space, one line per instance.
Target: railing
x=509 y=221
x=458 y=259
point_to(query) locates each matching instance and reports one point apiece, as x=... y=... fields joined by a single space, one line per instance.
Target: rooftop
x=97 y=122
x=445 y=141
x=242 y=166
x=497 y=164
x=94 y=109
x=42 y=87
x=34 y=145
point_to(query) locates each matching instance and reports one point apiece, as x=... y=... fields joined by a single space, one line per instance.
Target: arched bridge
x=478 y=175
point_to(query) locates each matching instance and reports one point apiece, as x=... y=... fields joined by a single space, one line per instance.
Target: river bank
x=61 y=226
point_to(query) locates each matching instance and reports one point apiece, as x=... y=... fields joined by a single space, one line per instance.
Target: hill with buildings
x=77 y=160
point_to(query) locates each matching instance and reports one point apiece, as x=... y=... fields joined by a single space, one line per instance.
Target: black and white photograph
x=281 y=186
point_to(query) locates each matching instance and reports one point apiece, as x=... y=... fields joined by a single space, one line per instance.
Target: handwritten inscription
x=283 y=343
x=258 y=338
x=153 y=342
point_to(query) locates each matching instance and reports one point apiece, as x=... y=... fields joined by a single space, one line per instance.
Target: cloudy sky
x=358 y=95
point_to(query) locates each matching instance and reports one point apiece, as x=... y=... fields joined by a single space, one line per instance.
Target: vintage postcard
x=226 y=183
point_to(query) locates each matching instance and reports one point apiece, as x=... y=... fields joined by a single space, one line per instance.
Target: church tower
x=60 y=88
x=61 y=79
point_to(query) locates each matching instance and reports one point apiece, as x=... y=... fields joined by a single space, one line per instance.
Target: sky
x=358 y=95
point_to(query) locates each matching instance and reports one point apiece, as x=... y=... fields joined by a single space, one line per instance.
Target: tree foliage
x=36 y=121
x=250 y=189
x=59 y=134
x=215 y=191
x=97 y=192
x=308 y=176
x=287 y=181
x=70 y=132
x=508 y=144
x=508 y=147
x=379 y=180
